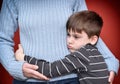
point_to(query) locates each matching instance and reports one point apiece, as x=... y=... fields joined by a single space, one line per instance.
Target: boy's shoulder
x=88 y=50
x=88 y=47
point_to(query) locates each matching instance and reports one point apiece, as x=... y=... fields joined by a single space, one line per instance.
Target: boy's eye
x=75 y=36
x=68 y=34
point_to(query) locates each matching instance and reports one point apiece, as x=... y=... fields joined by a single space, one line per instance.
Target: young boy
x=83 y=30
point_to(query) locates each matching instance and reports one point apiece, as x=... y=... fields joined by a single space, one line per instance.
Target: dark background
x=110 y=12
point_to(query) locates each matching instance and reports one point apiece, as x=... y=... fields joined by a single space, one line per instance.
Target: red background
x=110 y=12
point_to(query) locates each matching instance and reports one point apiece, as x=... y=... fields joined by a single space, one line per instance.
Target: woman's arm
x=8 y=26
x=112 y=62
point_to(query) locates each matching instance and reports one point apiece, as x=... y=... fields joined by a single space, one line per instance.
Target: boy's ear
x=94 y=39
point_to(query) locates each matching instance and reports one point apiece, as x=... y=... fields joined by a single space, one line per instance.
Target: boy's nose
x=70 y=40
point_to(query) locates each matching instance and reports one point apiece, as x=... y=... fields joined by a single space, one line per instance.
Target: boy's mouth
x=69 y=47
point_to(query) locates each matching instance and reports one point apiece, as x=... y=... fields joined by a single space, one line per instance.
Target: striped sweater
x=87 y=62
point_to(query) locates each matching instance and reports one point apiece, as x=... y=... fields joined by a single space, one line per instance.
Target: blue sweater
x=42 y=32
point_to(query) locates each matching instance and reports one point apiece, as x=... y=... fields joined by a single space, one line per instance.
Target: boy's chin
x=72 y=51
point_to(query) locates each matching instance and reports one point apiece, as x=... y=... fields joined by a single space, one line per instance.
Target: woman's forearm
x=111 y=60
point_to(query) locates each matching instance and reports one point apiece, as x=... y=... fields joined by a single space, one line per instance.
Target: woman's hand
x=111 y=77
x=29 y=71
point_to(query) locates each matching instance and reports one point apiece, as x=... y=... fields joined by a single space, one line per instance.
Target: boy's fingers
x=20 y=47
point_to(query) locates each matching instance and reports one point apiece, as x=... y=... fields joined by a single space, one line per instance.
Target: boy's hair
x=88 y=21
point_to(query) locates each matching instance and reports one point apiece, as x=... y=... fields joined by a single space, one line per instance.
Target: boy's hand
x=19 y=55
x=111 y=77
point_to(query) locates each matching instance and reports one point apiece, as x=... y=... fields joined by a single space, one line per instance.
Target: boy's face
x=76 y=40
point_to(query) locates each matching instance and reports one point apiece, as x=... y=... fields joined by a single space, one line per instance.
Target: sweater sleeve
x=112 y=62
x=69 y=64
x=8 y=26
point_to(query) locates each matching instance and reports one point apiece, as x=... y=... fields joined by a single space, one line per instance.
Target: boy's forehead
x=73 y=30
